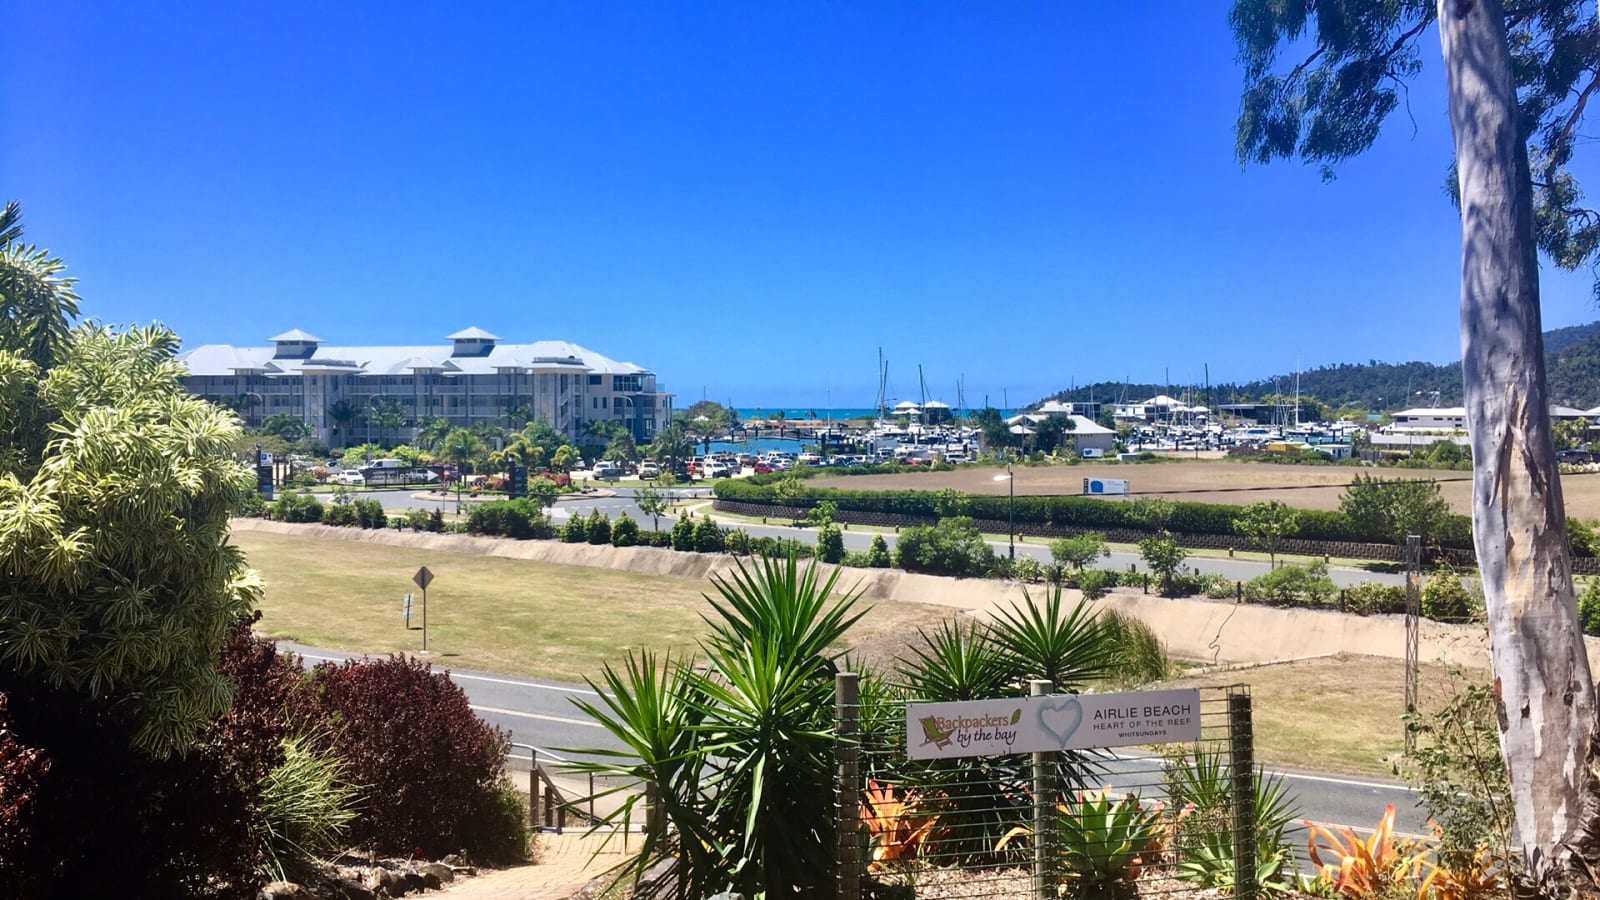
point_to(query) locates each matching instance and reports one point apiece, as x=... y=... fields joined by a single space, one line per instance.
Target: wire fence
x=1142 y=821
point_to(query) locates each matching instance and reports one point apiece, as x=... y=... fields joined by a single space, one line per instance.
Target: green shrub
x=857 y=559
x=1165 y=558
x=624 y=531
x=657 y=538
x=417 y=519
x=575 y=531
x=1589 y=607
x=1101 y=842
x=521 y=519
x=1370 y=598
x=370 y=514
x=297 y=508
x=1080 y=550
x=1137 y=657
x=341 y=516
x=830 y=543
x=1445 y=598
x=1291 y=584
x=251 y=505
x=952 y=547
x=306 y=805
x=598 y=529
x=683 y=534
x=1028 y=570
x=737 y=542
x=878 y=554
x=708 y=536
x=1095 y=583
x=1582 y=536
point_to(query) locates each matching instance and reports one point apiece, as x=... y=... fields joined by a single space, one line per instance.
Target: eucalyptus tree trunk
x=1544 y=697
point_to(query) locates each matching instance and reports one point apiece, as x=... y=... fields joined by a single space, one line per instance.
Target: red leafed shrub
x=561 y=479
x=265 y=682
x=432 y=770
x=104 y=820
x=21 y=769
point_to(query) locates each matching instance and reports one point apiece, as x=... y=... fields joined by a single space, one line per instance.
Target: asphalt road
x=541 y=714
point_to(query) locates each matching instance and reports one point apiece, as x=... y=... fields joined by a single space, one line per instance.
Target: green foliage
x=1268 y=523
x=822 y=514
x=598 y=529
x=1100 y=842
x=1445 y=598
x=1371 y=598
x=740 y=748
x=624 y=531
x=575 y=531
x=683 y=534
x=1289 y=584
x=952 y=547
x=1154 y=512
x=1589 y=608
x=652 y=503
x=521 y=519
x=1095 y=583
x=1582 y=536
x=878 y=554
x=1137 y=656
x=1067 y=647
x=1394 y=508
x=1459 y=775
x=115 y=490
x=1027 y=570
x=830 y=543
x=708 y=536
x=1164 y=557
x=1079 y=550
x=306 y=805
x=1199 y=779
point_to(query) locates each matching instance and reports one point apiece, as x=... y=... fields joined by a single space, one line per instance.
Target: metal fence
x=1137 y=822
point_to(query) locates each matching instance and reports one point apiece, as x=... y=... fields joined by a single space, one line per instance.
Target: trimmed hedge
x=1070 y=511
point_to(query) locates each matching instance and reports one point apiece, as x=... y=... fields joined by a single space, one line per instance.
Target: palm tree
x=462 y=448
x=388 y=415
x=489 y=433
x=431 y=431
x=343 y=415
x=518 y=413
x=290 y=428
x=671 y=447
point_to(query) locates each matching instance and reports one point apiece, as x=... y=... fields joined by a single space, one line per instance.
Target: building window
x=594 y=379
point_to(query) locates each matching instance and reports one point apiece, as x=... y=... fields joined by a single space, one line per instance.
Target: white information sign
x=407 y=609
x=1107 y=486
x=1051 y=723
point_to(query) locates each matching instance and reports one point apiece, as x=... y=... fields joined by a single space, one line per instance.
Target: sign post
x=423 y=578
x=1051 y=723
x=406 y=609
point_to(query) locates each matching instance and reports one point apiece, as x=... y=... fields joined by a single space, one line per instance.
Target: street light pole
x=1011 y=506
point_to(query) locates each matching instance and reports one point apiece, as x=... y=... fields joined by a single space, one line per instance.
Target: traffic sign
x=423 y=578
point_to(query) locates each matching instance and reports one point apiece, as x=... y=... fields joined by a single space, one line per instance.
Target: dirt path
x=566 y=862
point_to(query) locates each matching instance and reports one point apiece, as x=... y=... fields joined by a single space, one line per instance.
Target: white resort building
x=473 y=379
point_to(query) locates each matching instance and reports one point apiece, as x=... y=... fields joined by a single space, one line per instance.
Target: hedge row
x=1070 y=511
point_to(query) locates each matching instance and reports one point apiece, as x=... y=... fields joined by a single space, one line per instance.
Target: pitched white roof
x=295 y=335
x=225 y=359
x=472 y=334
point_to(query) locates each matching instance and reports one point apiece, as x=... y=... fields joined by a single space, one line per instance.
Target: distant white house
x=1084 y=433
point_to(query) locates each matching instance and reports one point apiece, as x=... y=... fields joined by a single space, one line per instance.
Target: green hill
x=1572 y=365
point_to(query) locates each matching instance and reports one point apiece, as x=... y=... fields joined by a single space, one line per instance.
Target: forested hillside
x=1572 y=358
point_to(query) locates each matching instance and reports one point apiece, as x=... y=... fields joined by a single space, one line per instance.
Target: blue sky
x=748 y=198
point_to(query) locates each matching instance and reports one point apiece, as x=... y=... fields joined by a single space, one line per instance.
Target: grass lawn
x=498 y=615
x=1336 y=714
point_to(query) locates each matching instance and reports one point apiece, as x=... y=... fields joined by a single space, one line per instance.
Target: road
x=541 y=713
x=622 y=502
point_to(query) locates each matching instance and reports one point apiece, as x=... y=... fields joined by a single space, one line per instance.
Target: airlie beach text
x=1051 y=723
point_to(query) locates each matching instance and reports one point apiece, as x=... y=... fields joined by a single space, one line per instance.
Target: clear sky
x=748 y=198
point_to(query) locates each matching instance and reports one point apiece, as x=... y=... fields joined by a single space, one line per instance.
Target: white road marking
x=543 y=718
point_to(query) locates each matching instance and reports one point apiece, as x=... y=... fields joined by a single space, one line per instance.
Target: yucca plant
x=1069 y=647
x=1200 y=786
x=306 y=804
x=740 y=748
x=1104 y=843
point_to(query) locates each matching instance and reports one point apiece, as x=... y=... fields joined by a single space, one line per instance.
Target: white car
x=649 y=470
x=350 y=477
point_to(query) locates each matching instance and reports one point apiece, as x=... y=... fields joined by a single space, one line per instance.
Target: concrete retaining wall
x=1209 y=631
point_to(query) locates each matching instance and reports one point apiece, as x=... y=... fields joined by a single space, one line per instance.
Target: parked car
x=350 y=477
x=764 y=468
x=720 y=470
x=649 y=470
x=607 y=472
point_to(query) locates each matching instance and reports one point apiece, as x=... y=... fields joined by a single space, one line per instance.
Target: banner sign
x=1050 y=723
x=1096 y=486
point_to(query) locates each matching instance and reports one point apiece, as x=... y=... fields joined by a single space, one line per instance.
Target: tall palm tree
x=462 y=448
x=343 y=415
x=431 y=431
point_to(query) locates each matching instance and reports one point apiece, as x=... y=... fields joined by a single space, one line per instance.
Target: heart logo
x=1060 y=719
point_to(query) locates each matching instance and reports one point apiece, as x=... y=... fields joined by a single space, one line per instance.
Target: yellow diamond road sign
x=423 y=578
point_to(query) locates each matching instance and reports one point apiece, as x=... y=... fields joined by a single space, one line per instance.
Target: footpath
x=563 y=865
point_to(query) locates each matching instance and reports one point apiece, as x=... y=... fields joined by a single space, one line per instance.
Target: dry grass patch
x=1335 y=714
x=499 y=615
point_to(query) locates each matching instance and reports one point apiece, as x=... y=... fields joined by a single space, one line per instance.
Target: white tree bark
x=1546 y=700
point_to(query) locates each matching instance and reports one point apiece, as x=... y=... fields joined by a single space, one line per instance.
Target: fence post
x=533 y=788
x=1043 y=827
x=847 y=783
x=1241 y=752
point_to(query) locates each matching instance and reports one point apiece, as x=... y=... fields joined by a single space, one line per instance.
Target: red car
x=764 y=469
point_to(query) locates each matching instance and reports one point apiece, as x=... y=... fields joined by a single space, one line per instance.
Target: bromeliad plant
x=739 y=747
x=1365 y=869
x=896 y=825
